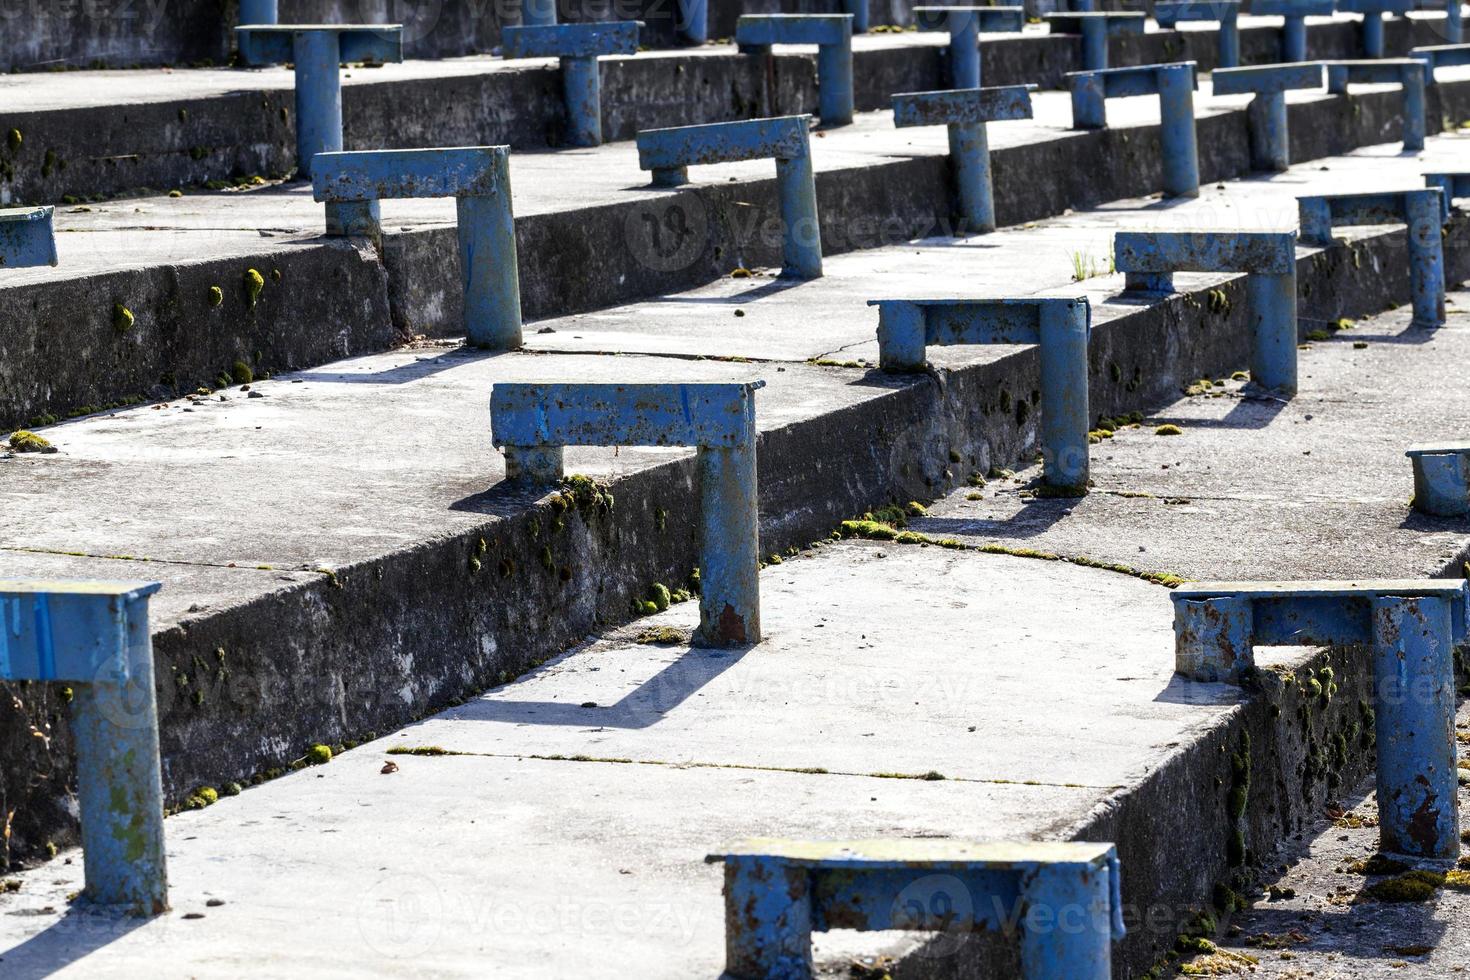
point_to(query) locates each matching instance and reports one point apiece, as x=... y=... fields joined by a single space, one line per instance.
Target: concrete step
x=1317 y=914
x=338 y=558
x=591 y=233
x=91 y=134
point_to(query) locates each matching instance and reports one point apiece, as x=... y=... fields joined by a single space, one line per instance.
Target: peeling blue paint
x=1441 y=478
x=1266 y=115
x=1294 y=31
x=1224 y=12
x=1409 y=73
x=27 y=237
x=831 y=33
x=1096 y=27
x=965 y=25
x=1174 y=84
x=578 y=47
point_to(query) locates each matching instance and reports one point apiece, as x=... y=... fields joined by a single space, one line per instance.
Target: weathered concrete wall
x=247 y=688
x=112 y=150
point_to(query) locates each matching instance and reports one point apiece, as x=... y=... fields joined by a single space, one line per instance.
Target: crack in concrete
x=160 y=561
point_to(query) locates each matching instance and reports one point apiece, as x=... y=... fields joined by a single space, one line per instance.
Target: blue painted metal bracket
x=1413 y=627
x=1266 y=115
x=1441 y=478
x=1421 y=210
x=27 y=237
x=538 y=13
x=1174 y=84
x=1096 y=27
x=1294 y=31
x=578 y=47
x=860 y=15
x=1437 y=56
x=965 y=25
x=318 y=50
x=779 y=892
x=95 y=637
x=1059 y=326
x=1410 y=73
x=965 y=112
x=669 y=153
x=258 y=12
x=831 y=33
x=1373 y=12
x=1451 y=185
x=1269 y=257
x=478 y=177
x=533 y=422
x=1224 y=12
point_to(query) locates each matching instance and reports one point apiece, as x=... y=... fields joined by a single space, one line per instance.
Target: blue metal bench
x=318 y=51
x=94 y=636
x=831 y=33
x=1452 y=184
x=1225 y=12
x=1421 y=210
x=1454 y=25
x=478 y=177
x=1412 y=626
x=1269 y=257
x=27 y=237
x=258 y=12
x=1441 y=478
x=1096 y=27
x=538 y=13
x=533 y=422
x=577 y=46
x=1408 y=72
x=860 y=14
x=965 y=25
x=1437 y=56
x=1294 y=31
x=1059 y=326
x=779 y=892
x=1266 y=114
x=965 y=112
x=1373 y=12
x=669 y=153
x=1174 y=84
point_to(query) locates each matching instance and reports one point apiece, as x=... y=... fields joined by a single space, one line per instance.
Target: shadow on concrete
x=423 y=367
x=769 y=287
x=642 y=707
x=1251 y=412
x=80 y=932
x=1034 y=518
x=1182 y=690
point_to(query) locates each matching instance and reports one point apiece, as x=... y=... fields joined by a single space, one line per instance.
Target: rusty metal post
x=1418 y=805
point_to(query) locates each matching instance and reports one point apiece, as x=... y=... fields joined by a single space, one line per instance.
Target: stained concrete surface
x=1313 y=919
x=555 y=867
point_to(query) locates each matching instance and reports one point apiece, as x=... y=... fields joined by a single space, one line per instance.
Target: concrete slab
x=1317 y=487
x=455 y=860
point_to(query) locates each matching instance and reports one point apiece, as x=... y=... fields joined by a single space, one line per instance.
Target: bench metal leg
x=362 y=218
x=801 y=251
x=537 y=466
x=1148 y=282
x=1212 y=639
x=693 y=25
x=1274 y=332
x=538 y=13
x=318 y=97
x=1373 y=35
x=489 y=268
x=1454 y=31
x=581 y=81
x=1177 y=138
x=1415 y=723
x=1270 y=145
x=729 y=531
x=1089 y=103
x=1067 y=930
x=1413 y=110
x=1065 y=415
x=901 y=337
x=964 y=49
x=1294 y=39
x=119 y=784
x=768 y=934
x=1229 y=45
x=859 y=11
x=258 y=12
x=969 y=152
x=834 y=84
x=1442 y=484
x=1094 y=45
x=1426 y=262
x=669 y=176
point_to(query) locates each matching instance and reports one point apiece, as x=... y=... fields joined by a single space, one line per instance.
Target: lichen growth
x=1411 y=886
x=319 y=755
x=1168 y=429
x=660 y=595
x=202 y=797
x=216 y=296
x=25 y=441
x=254 y=284
x=662 y=636
x=241 y=373
x=122 y=318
